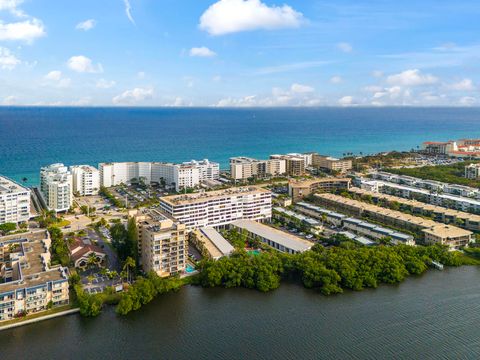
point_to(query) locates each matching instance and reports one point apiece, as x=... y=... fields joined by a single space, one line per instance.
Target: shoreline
x=38 y=319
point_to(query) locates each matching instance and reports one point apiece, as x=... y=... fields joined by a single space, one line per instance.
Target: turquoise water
x=32 y=137
x=189 y=268
x=254 y=252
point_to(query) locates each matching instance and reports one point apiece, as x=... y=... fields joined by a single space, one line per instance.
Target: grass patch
x=39 y=314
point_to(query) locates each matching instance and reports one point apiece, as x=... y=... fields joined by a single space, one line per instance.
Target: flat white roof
x=285 y=239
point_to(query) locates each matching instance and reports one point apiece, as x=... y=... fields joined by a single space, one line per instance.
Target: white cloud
x=411 y=77
x=10 y=100
x=463 y=85
x=86 y=25
x=105 y=84
x=26 y=31
x=346 y=101
x=85 y=101
x=301 y=89
x=8 y=61
x=467 y=101
x=141 y=75
x=12 y=6
x=56 y=78
x=336 y=79
x=202 y=52
x=83 y=64
x=345 y=47
x=134 y=96
x=230 y=16
x=128 y=11
x=373 y=88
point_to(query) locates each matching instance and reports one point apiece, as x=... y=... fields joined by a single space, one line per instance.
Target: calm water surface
x=435 y=316
x=34 y=137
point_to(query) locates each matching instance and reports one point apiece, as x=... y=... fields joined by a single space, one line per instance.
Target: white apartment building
x=472 y=171
x=56 y=187
x=162 y=241
x=28 y=284
x=218 y=208
x=14 y=202
x=242 y=168
x=180 y=176
x=86 y=180
x=207 y=170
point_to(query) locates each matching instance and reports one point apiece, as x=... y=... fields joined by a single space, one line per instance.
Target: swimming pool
x=189 y=268
x=254 y=252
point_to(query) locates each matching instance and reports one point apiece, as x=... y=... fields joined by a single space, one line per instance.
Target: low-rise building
x=28 y=284
x=277 y=239
x=407 y=202
x=86 y=180
x=220 y=207
x=162 y=241
x=210 y=243
x=397 y=219
x=294 y=218
x=472 y=171
x=331 y=163
x=14 y=202
x=83 y=253
x=56 y=186
x=302 y=188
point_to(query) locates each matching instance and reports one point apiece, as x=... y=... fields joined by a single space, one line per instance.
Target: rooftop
x=28 y=261
x=285 y=239
x=310 y=182
x=8 y=186
x=217 y=245
x=203 y=196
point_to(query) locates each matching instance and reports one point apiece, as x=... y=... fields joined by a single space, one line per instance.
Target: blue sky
x=239 y=52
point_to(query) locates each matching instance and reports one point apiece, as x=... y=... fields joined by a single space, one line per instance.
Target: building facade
x=300 y=189
x=472 y=171
x=28 y=284
x=243 y=168
x=163 y=243
x=14 y=202
x=331 y=163
x=218 y=208
x=179 y=176
x=86 y=180
x=56 y=186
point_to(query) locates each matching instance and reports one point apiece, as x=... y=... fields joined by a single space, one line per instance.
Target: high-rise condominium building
x=295 y=164
x=86 y=180
x=218 y=208
x=56 y=187
x=180 y=176
x=162 y=242
x=14 y=202
x=242 y=168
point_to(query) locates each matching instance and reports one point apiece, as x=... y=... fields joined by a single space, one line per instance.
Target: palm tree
x=127 y=265
x=92 y=259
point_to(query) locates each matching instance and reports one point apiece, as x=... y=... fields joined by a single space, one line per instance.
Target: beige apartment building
x=243 y=168
x=331 y=163
x=302 y=188
x=432 y=231
x=472 y=171
x=28 y=283
x=295 y=164
x=219 y=208
x=162 y=242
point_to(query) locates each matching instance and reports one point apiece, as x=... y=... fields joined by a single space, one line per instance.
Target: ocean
x=32 y=137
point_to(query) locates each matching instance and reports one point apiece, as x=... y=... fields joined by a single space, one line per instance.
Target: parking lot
x=98 y=283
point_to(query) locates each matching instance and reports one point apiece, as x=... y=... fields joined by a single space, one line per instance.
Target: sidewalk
x=38 y=319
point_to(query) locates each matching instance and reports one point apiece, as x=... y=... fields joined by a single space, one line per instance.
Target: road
x=112 y=257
